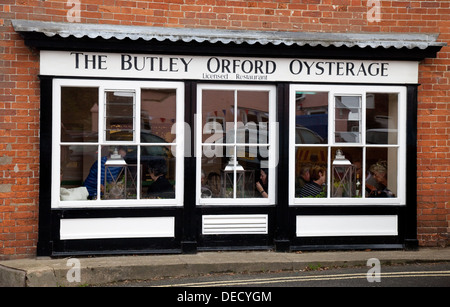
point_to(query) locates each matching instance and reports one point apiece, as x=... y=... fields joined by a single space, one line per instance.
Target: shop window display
x=235 y=143
x=117 y=144
x=361 y=158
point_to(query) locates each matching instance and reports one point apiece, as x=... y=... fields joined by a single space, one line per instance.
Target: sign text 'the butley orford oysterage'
x=186 y=67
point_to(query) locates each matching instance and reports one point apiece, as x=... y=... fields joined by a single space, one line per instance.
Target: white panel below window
x=107 y=228
x=234 y=224
x=346 y=225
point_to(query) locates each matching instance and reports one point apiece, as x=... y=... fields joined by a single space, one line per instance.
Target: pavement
x=95 y=271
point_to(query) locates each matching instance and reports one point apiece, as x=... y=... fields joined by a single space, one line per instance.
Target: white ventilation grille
x=234 y=224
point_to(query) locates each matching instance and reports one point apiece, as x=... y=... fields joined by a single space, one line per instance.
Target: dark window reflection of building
x=311 y=117
x=79 y=114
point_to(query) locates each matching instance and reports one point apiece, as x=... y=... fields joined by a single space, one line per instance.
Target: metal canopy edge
x=200 y=35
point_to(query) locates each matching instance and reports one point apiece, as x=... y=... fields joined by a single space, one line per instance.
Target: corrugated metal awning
x=106 y=31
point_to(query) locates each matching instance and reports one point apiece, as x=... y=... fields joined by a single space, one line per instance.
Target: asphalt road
x=408 y=275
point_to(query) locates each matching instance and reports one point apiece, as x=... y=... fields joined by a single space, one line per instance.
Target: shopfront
x=225 y=140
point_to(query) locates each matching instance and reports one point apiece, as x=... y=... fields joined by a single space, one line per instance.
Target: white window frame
x=272 y=142
x=103 y=86
x=350 y=90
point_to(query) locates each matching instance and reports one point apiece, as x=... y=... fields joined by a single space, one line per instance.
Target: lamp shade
x=340 y=159
x=233 y=165
x=115 y=159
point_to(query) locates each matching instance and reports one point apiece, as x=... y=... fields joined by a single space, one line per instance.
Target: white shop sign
x=125 y=65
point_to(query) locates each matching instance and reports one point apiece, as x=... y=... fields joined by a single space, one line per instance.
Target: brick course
x=19 y=87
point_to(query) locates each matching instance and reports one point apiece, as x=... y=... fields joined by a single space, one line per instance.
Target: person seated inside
x=379 y=172
x=91 y=180
x=303 y=178
x=215 y=183
x=205 y=191
x=161 y=187
x=262 y=183
x=314 y=188
x=211 y=185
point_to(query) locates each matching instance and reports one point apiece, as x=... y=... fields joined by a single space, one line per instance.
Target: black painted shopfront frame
x=188 y=237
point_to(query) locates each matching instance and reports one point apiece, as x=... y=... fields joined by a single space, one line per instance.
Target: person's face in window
x=306 y=176
x=322 y=178
x=380 y=177
x=263 y=177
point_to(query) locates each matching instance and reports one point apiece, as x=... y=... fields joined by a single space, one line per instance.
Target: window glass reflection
x=235 y=143
x=218 y=116
x=158 y=172
x=347 y=119
x=79 y=114
x=158 y=114
x=311 y=117
x=119 y=164
x=253 y=117
x=381 y=118
x=119 y=116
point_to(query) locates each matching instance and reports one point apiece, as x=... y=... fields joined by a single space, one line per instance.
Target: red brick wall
x=19 y=90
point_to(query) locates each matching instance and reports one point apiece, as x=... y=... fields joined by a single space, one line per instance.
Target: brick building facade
x=20 y=90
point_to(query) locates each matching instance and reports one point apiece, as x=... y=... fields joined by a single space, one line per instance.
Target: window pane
x=76 y=162
x=311 y=172
x=158 y=114
x=219 y=168
x=218 y=116
x=79 y=114
x=252 y=168
x=119 y=116
x=253 y=117
x=228 y=176
x=214 y=161
x=347 y=119
x=346 y=173
x=381 y=118
x=120 y=171
x=211 y=184
x=311 y=117
x=158 y=172
x=381 y=170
